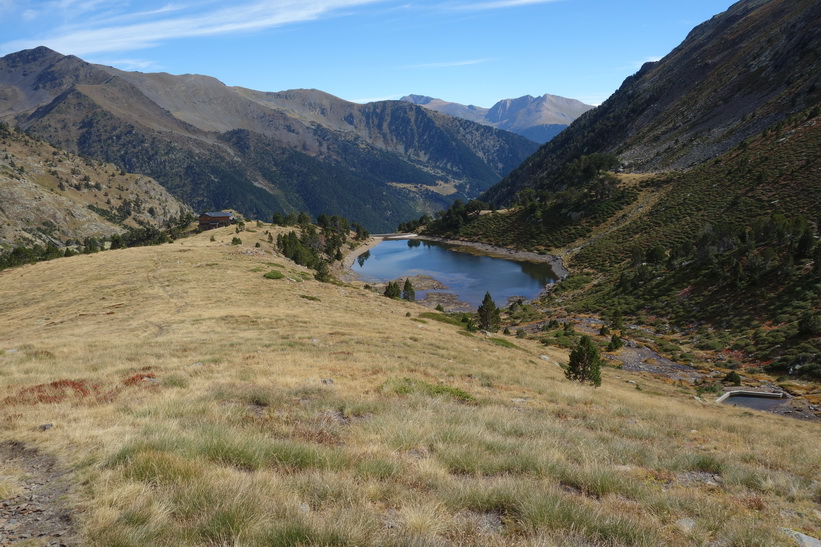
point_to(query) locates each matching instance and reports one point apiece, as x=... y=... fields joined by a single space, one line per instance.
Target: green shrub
x=732 y=378
x=442 y=318
x=175 y=380
x=408 y=386
x=615 y=343
x=502 y=342
x=274 y=274
x=710 y=345
x=710 y=388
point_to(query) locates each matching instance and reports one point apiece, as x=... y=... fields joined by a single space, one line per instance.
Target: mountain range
x=215 y=146
x=537 y=118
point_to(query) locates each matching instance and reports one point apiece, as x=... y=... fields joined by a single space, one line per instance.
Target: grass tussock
x=274 y=274
x=408 y=386
x=265 y=419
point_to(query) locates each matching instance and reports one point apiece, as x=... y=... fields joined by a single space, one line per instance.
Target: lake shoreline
x=347 y=273
x=556 y=263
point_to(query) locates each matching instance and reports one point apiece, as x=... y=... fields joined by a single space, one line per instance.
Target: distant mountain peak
x=537 y=118
x=33 y=56
x=418 y=99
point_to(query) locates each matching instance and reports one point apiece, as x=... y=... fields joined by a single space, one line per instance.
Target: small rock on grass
x=802 y=540
x=686 y=525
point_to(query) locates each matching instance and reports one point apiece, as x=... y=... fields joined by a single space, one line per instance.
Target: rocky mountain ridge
x=537 y=118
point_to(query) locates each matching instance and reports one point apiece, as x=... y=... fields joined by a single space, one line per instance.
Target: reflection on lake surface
x=467 y=275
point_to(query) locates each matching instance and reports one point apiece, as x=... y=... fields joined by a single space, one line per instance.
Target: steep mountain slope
x=537 y=118
x=395 y=159
x=733 y=76
x=48 y=196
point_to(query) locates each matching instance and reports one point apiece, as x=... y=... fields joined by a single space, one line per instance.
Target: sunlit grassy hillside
x=197 y=402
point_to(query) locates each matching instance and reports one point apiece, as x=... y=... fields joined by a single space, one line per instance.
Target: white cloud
x=376 y=99
x=79 y=5
x=123 y=18
x=449 y=64
x=97 y=38
x=128 y=64
x=500 y=4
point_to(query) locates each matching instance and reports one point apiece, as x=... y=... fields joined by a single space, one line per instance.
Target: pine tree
x=615 y=343
x=303 y=219
x=323 y=273
x=490 y=318
x=392 y=290
x=407 y=291
x=585 y=362
x=732 y=377
x=616 y=320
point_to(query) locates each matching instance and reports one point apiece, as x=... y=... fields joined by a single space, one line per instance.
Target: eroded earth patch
x=36 y=514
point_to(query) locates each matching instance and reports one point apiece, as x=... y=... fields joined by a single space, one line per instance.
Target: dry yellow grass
x=213 y=406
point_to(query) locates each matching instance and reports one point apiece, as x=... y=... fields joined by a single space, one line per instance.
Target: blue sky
x=471 y=52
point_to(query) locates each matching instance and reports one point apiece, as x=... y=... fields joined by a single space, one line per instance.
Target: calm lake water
x=466 y=275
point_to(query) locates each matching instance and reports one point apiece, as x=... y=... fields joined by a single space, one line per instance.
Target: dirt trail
x=37 y=515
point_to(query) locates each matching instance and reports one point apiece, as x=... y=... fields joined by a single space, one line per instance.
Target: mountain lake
x=466 y=275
